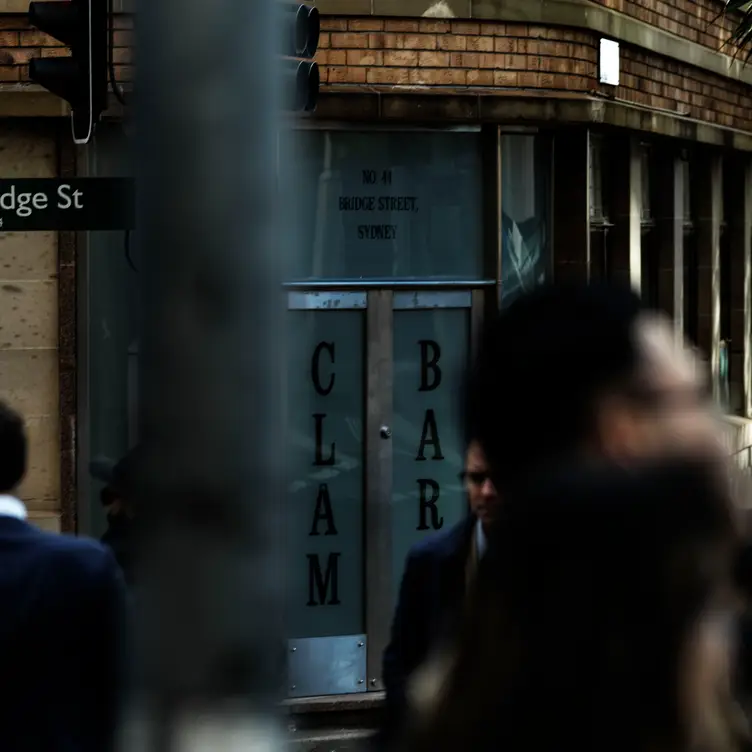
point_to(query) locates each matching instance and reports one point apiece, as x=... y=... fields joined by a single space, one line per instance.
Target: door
x=375 y=451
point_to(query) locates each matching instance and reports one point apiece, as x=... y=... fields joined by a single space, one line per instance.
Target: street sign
x=29 y=204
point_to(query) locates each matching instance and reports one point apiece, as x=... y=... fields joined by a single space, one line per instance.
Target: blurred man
x=433 y=586
x=62 y=604
x=117 y=498
x=563 y=372
x=571 y=371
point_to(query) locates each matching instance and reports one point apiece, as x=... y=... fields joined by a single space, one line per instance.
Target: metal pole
x=206 y=119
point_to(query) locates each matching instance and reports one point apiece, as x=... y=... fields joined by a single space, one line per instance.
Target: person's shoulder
x=445 y=542
x=77 y=556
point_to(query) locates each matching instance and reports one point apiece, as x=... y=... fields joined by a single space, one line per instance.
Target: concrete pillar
x=213 y=257
x=668 y=214
x=709 y=191
x=738 y=213
x=625 y=190
x=571 y=205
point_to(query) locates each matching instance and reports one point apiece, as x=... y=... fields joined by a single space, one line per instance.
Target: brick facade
x=468 y=55
x=700 y=21
x=456 y=56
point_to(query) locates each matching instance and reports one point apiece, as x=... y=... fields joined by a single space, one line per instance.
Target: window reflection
x=650 y=250
x=600 y=211
x=525 y=214
x=691 y=278
x=112 y=312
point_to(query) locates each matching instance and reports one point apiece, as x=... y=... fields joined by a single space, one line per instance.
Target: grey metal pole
x=206 y=119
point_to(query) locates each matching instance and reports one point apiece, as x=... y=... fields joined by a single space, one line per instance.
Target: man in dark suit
x=436 y=576
x=62 y=602
x=117 y=497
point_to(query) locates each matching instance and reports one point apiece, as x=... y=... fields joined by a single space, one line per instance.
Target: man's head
x=481 y=493
x=118 y=477
x=13 y=449
x=569 y=370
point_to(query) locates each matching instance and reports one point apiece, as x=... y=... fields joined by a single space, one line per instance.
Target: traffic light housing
x=81 y=78
x=300 y=73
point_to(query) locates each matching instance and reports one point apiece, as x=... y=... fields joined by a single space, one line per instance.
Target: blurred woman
x=602 y=618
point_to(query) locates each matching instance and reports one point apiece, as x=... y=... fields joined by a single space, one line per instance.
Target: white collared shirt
x=10 y=506
x=480 y=539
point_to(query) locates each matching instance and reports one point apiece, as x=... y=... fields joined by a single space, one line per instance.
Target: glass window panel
x=430 y=355
x=645 y=178
x=113 y=311
x=381 y=205
x=687 y=195
x=525 y=173
x=723 y=375
x=325 y=464
x=596 y=177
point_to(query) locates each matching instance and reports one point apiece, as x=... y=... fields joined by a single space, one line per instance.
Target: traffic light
x=300 y=72
x=81 y=78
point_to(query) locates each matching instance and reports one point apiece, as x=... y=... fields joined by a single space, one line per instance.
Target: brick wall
x=470 y=56
x=467 y=55
x=655 y=82
x=696 y=20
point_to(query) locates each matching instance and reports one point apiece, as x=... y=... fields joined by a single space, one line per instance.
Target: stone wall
x=29 y=374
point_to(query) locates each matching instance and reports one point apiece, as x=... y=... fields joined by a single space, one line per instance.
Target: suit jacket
x=428 y=609
x=62 y=605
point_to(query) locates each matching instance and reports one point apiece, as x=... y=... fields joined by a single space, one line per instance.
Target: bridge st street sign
x=78 y=204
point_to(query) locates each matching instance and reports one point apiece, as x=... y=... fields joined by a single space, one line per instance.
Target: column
x=211 y=276
x=571 y=205
x=625 y=241
x=738 y=204
x=709 y=171
x=668 y=212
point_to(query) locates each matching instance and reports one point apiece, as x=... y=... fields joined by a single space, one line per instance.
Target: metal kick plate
x=326 y=666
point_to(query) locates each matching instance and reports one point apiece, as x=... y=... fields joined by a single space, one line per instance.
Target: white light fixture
x=609 y=62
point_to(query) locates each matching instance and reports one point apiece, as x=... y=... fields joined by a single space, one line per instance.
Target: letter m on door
x=323 y=584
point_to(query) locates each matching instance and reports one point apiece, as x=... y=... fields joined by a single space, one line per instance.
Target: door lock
x=385 y=432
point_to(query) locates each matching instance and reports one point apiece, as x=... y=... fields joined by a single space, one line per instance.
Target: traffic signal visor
x=301 y=79
x=81 y=78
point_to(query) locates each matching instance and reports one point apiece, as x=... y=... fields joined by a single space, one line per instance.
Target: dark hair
x=575 y=631
x=542 y=364
x=13 y=449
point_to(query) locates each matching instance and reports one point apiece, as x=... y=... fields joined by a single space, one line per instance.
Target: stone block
x=28 y=314
x=29 y=381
